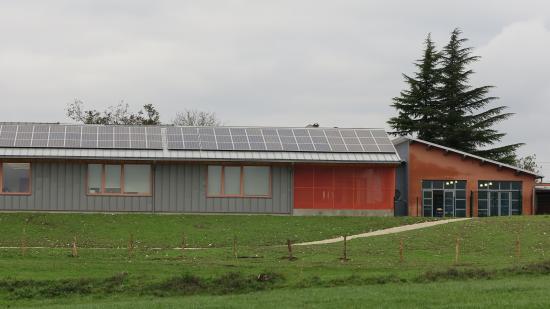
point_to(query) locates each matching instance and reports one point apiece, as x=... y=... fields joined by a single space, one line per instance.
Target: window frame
x=2 y=179
x=482 y=186
x=445 y=183
x=122 y=188
x=241 y=184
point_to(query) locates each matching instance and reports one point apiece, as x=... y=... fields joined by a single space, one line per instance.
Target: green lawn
x=522 y=292
x=165 y=231
x=117 y=278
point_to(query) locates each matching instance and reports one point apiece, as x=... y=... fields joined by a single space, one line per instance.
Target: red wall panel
x=344 y=187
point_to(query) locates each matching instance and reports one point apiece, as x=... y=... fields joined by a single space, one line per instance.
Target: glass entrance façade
x=499 y=198
x=444 y=198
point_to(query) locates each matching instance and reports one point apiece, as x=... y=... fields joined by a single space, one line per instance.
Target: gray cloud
x=265 y=62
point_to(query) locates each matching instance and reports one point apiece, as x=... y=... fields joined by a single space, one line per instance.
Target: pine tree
x=417 y=106
x=463 y=125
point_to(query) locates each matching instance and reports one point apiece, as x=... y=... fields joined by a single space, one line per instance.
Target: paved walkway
x=392 y=230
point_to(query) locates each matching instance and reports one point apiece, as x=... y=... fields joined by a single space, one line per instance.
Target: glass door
x=504 y=201
x=493 y=204
x=449 y=203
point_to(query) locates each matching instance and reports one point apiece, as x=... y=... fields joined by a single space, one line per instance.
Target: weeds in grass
x=237 y=283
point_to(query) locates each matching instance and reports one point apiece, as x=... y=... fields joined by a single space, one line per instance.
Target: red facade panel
x=344 y=187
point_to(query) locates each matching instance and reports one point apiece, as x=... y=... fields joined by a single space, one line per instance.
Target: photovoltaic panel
x=153 y=137
x=195 y=138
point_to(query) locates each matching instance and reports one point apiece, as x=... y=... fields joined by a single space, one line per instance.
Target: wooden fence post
x=183 y=244
x=131 y=245
x=24 y=243
x=518 y=248
x=235 y=246
x=74 y=251
x=289 y=246
x=345 y=257
x=401 y=247
x=457 y=249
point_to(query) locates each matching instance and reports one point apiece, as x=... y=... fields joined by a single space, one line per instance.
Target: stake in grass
x=24 y=243
x=345 y=258
x=74 y=249
x=131 y=246
x=401 y=247
x=235 y=246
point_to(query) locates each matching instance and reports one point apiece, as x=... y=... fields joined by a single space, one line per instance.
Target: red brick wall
x=436 y=164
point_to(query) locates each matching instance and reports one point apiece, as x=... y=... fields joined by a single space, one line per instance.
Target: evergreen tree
x=440 y=106
x=463 y=125
x=418 y=105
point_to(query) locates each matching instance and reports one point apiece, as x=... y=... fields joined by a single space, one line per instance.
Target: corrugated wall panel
x=182 y=188
x=177 y=188
x=61 y=187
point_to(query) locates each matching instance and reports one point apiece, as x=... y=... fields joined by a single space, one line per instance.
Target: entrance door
x=504 y=201
x=449 y=206
x=493 y=204
x=438 y=203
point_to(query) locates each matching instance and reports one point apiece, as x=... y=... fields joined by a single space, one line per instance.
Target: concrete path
x=392 y=230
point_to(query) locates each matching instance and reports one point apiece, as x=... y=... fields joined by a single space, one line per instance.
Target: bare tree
x=529 y=163
x=118 y=114
x=193 y=117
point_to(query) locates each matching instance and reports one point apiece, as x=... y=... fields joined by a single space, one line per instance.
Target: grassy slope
x=485 y=243
x=165 y=231
x=522 y=292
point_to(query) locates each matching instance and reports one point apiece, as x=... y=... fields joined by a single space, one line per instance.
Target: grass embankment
x=165 y=231
x=519 y=292
x=488 y=252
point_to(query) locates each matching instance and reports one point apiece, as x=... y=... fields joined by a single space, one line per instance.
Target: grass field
x=490 y=260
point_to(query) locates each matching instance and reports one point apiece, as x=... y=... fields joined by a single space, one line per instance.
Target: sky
x=256 y=62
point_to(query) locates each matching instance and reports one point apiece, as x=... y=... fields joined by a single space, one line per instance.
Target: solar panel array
x=80 y=136
x=279 y=139
x=195 y=138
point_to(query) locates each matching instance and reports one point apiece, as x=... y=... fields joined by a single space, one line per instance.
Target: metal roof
x=198 y=155
x=403 y=139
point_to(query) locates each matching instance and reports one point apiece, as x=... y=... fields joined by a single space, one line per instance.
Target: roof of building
x=403 y=139
x=46 y=140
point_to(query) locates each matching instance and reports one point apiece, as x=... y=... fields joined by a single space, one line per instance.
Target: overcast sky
x=256 y=62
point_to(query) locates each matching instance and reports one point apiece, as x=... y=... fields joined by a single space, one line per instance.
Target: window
x=119 y=179
x=137 y=178
x=444 y=198
x=499 y=198
x=16 y=178
x=239 y=181
x=256 y=180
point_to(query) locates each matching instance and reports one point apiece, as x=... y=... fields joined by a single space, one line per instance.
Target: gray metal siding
x=182 y=188
x=177 y=188
x=61 y=187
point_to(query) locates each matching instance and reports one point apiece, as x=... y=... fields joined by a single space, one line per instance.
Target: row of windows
x=448 y=198
x=243 y=181
x=123 y=179
x=136 y=180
